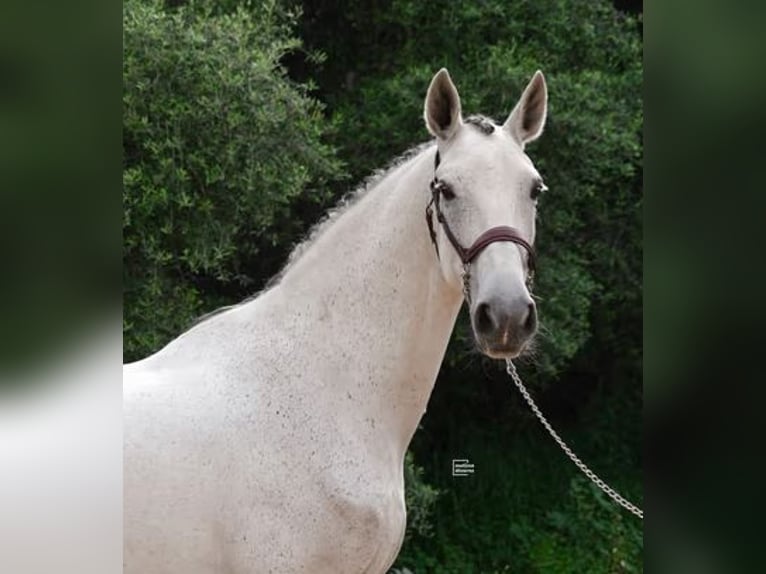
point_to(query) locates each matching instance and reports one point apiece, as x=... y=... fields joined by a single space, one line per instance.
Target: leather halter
x=467 y=255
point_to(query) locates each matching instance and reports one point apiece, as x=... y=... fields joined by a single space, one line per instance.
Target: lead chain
x=467 y=283
x=609 y=491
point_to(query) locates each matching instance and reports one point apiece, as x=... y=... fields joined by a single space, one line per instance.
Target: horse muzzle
x=502 y=327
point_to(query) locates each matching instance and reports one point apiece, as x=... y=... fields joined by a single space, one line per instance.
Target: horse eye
x=538 y=188
x=446 y=191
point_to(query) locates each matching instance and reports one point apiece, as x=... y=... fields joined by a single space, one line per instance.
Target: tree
x=219 y=145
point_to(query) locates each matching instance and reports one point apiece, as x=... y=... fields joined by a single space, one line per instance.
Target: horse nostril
x=484 y=322
x=530 y=322
x=515 y=321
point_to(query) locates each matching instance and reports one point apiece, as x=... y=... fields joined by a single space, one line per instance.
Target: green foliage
x=614 y=538
x=219 y=144
x=527 y=509
x=419 y=498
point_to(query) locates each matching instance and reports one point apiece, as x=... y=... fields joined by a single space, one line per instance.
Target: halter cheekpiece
x=467 y=255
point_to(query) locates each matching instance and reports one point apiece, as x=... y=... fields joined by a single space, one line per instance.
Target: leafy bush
x=530 y=512
x=614 y=537
x=419 y=498
x=219 y=145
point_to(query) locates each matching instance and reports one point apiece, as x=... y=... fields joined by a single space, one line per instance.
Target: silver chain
x=609 y=491
x=594 y=478
x=467 y=283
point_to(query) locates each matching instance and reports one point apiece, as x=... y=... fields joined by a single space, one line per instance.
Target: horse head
x=482 y=214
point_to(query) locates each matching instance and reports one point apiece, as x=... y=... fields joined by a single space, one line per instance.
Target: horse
x=270 y=437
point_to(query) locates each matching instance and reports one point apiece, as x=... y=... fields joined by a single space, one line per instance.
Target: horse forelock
x=484 y=124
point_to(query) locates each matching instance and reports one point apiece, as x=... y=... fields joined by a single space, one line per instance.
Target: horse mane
x=484 y=124
x=346 y=202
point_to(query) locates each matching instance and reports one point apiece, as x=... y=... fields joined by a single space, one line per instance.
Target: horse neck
x=372 y=288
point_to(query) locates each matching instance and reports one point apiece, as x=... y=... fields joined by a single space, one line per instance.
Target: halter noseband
x=499 y=233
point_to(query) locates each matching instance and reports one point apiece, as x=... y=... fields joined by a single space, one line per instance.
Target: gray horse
x=271 y=436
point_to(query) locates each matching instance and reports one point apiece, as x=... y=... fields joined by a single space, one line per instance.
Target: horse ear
x=527 y=119
x=442 y=106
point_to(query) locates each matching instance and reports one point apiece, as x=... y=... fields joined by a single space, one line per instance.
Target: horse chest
x=374 y=518
x=333 y=502
x=326 y=525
